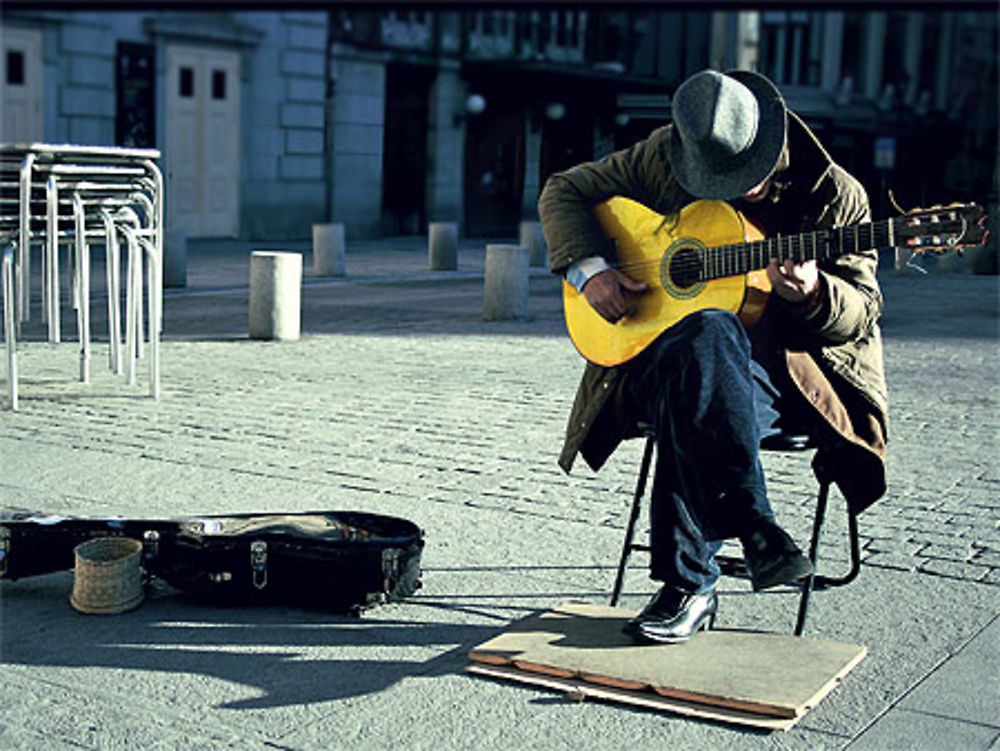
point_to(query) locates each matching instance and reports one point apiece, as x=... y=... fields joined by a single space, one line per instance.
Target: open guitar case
x=344 y=561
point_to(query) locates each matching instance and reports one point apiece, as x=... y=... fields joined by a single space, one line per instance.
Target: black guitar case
x=344 y=561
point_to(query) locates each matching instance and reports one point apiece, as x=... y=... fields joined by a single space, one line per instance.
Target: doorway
x=404 y=148
x=21 y=86
x=494 y=173
x=203 y=141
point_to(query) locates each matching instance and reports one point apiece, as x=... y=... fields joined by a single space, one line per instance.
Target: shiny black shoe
x=772 y=557
x=673 y=616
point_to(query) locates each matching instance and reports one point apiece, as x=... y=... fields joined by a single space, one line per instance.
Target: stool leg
x=640 y=490
x=9 y=325
x=852 y=530
x=807 y=586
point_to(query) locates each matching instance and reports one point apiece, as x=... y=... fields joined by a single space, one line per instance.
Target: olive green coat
x=834 y=357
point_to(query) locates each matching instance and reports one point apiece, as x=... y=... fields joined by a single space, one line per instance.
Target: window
x=893 y=56
x=789 y=48
x=187 y=82
x=218 y=84
x=574 y=29
x=606 y=37
x=931 y=42
x=135 y=111
x=522 y=33
x=851 y=51
x=15 y=68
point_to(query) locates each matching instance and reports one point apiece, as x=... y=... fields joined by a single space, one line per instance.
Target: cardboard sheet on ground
x=760 y=679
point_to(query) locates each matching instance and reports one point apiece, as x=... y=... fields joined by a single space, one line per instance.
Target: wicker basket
x=107 y=578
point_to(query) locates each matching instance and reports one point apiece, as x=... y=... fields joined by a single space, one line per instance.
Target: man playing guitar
x=710 y=387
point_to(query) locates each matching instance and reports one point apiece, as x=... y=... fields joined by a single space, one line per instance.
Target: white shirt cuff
x=579 y=273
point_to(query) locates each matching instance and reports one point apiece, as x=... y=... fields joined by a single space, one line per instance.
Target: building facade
x=271 y=121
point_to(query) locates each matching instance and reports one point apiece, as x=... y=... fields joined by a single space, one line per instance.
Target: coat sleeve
x=853 y=299
x=640 y=172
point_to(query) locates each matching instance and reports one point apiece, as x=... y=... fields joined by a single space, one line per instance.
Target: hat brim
x=762 y=156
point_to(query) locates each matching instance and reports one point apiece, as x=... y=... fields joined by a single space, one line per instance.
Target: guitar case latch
x=150 y=545
x=4 y=550
x=258 y=563
x=390 y=568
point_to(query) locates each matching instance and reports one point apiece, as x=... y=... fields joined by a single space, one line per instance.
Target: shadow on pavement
x=287 y=655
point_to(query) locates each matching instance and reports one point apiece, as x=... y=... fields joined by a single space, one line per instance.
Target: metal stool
x=735 y=566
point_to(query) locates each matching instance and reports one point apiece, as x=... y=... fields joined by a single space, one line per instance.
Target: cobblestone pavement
x=400 y=399
x=409 y=357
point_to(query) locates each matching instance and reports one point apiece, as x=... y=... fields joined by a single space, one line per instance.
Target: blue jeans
x=711 y=405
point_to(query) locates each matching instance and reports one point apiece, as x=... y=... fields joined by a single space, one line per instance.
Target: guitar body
x=664 y=254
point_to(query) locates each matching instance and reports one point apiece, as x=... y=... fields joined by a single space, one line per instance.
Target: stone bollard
x=531 y=237
x=175 y=259
x=275 y=294
x=442 y=246
x=506 y=283
x=329 y=250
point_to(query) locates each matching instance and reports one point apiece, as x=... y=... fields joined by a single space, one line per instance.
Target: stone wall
x=285 y=179
x=79 y=99
x=357 y=121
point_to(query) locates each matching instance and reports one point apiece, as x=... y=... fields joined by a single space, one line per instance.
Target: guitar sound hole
x=685 y=268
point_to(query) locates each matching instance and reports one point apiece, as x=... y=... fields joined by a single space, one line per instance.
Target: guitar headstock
x=939 y=229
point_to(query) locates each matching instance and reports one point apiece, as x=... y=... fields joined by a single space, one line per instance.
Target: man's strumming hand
x=610 y=293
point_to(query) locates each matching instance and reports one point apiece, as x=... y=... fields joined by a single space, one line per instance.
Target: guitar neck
x=821 y=245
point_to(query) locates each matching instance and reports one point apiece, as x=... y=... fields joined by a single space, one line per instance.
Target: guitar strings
x=697 y=259
x=721 y=260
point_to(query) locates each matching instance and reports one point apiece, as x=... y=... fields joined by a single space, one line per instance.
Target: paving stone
x=891 y=559
x=958 y=550
x=993 y=576
x=987 y=557
x=952 y=569
x=944 y=693
x=913 y=731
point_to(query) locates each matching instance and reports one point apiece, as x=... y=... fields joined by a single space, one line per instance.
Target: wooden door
x=21 y=84
x=203 y=141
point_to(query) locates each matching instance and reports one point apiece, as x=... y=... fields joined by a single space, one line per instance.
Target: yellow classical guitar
x=710 y=256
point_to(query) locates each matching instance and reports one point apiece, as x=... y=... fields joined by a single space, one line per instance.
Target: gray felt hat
x=729 y=132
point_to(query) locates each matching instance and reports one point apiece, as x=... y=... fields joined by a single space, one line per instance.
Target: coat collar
x=810 y=162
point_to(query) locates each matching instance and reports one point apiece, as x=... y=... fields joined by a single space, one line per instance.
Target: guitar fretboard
x=740 y=258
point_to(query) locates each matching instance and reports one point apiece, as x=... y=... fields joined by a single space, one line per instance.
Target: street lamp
x=555 y=110
x=475 y=104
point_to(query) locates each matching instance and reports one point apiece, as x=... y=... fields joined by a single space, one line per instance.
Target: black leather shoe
x=673 y=616
x=772 y=557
